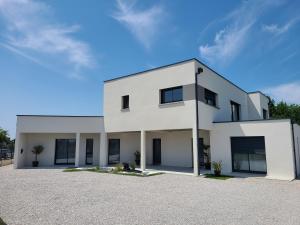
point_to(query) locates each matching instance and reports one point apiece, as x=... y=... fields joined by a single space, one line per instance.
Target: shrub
x=118 y=168
x=217 y=167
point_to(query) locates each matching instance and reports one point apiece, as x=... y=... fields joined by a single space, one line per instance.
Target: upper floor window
x=171 y=95
x=210 y=97
x=125 y=102
x=265 y=114
x=235 y=111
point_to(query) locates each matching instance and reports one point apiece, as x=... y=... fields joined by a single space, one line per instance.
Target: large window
x=210 y=97
x=125 y=102
x=65 y=151
x=235 y=111
x=171 y=95
x=248 y=154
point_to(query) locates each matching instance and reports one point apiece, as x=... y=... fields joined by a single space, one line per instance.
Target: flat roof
x=57 y=116
x=172 y=64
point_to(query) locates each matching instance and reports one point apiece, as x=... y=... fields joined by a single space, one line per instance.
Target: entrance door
x=156 y=151
x=113 y=151
x=65 y=151
x=248 y=154
x=89 y=151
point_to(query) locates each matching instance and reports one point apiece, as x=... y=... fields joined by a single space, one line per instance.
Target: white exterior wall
x=176 y=146
x=256 y=103
x=145 y=111
x=297 y=147
x=278 y=144
x=34 y=130
x=226 y=92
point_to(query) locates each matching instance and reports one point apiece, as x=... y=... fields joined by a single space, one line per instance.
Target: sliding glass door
x=248 y=154
x=89 y=151
x=65 y=151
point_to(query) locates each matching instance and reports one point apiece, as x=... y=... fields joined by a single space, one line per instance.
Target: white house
x=184 y=115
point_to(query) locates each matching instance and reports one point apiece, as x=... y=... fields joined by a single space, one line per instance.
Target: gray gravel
x=49 y=196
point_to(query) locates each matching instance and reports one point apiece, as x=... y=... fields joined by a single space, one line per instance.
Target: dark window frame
x=210 y=97
x=67 y=140
x=232 y=154
x=109 y=143
x=235 y=104
x=171 y=91
x=125 y=102
x=86 y=148
x=265 y=114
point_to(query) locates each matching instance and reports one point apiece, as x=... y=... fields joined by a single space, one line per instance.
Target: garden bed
x=221 y=177
x=136 y=173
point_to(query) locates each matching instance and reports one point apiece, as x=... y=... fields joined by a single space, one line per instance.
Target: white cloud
x=143 y=24
x=30 y=27
x=277 y=30
x=289 y=92
x=229 y=41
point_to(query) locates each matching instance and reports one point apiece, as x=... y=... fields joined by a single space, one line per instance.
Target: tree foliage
x=4 y=138
x=283 y=110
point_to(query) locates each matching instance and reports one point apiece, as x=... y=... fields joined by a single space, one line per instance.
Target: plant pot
x=137 y=162
x=35 y=163
x=217 y=173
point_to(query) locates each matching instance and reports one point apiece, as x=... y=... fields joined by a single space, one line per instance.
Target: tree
x=37 y=150
x=4 y=138
x=283 y=110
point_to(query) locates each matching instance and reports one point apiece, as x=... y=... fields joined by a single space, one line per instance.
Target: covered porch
x=170 y=151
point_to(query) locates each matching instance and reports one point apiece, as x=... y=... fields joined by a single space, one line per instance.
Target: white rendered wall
x=226 y=92
x=176 y=146
x=256 y=103
x=145 y=111
x=278 y=143
x=297 y=146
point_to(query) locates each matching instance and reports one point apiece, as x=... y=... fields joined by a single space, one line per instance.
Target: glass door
x=89 y=151
x=113 y=151
x=65 y=151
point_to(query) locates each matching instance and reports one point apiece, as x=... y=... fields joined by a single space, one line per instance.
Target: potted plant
x=36 y=150
x=137 y=155
x=217 y=168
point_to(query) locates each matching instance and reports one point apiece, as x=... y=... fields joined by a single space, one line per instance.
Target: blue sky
x=54 y=55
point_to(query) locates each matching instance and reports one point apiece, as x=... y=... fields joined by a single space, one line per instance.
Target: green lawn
x=2 y=222
x=222 y=177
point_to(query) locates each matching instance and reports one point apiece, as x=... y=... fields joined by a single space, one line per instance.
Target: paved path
x=50 y=196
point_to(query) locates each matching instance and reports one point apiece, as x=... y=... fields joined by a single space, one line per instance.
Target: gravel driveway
x=50 y=196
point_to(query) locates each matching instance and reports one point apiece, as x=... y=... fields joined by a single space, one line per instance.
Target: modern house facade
x=182 y=115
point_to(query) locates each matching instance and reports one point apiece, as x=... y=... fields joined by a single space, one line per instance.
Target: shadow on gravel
x=2 y=222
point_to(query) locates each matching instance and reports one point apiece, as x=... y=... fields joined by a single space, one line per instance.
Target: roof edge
x=56 y=116
x=258 y=120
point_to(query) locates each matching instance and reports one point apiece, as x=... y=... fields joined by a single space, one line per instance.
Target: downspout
x=200 y=70
x=294 y=148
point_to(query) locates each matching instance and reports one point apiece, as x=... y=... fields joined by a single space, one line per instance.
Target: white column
x=77 y=150
x=195 y=152
x=103 y=150
x=17 y=151
x=143 y=150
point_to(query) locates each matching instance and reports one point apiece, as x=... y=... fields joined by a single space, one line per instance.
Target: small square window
x=125 y=102
x=210 y=97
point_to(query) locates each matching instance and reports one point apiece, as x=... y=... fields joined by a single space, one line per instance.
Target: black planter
x=217 y=173
x=35 y=163
x=137 y=162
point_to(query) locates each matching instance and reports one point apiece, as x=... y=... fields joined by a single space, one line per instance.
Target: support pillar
x=103 y=150
x=77 y=150
x=143 y=150
x=195 y=152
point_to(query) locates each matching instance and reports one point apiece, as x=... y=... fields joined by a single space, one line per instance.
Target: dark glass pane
x=89 y=151
x=166 y=96
x=125 y=100
x=71 y=150
x=177 y=94
x=210 y=97
x=61 y=154
x=114 y=151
